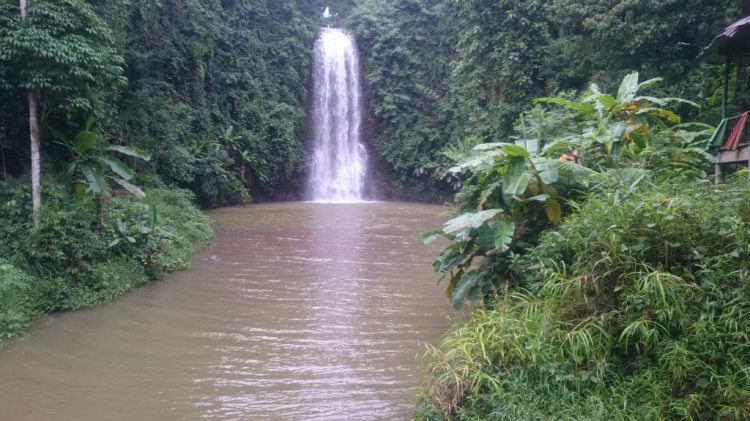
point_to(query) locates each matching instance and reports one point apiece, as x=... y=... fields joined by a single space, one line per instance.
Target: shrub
x=642 y=311
x=67 y=264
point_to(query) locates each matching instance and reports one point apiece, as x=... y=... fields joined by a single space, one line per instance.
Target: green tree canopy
x=63 y=51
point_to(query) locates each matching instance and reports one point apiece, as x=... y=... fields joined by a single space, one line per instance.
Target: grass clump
x=641 y=313
x=67 y=263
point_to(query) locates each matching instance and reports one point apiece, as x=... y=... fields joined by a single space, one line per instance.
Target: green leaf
x=639 y=140
x=84 y=140
x=661 y=113
x=704 y=126
x=682 y=101
x=514 y=151
x=485 y=238
x=515 y=186
x=448 y=259
x=628 y=88
x=469 y=220
x=134 y=190
x=94 y=179
x=488 y=191
x=60 y=135
x=71 y=169
x=655 y=100
x=529 y=145
x=121 y=227
x=471 y=163
x=463 y=286
x=547 y=170
x=489 y=146
x=89 y=120
x=431 y=236
x=143 y=177
x=127 y=150
x=119 y=167
x=152 y=217
x=553 y=210
x=504 y=235
x=615 y=152
x=577 y=106
x=539 y=198
x=607 y=101
x=556 y=146
x=647 y=84
x=516 y=166
x=80 y=190
x=617 y=130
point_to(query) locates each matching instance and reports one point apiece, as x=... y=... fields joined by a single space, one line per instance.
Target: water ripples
x=311 y=312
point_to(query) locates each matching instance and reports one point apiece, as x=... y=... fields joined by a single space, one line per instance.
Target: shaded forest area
x=444 y=73
x=213 y=90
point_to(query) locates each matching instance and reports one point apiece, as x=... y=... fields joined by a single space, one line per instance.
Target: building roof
x=734 y=43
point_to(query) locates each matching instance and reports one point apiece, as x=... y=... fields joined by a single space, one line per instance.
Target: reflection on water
x=311 y=312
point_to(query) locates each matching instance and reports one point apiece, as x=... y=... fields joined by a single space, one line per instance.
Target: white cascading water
x=339 y=160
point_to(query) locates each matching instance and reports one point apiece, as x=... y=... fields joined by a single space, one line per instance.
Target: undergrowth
x=641 y=313
x=67 y=264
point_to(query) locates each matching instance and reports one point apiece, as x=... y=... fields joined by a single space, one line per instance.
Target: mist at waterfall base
x=339 y=167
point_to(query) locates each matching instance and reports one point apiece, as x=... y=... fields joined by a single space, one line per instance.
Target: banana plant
x=514 y=190
x=620 y=124
x=256 y=164
x=94 y=165
x=230 y=140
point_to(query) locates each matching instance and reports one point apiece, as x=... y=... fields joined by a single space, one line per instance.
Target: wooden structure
x=731 y=141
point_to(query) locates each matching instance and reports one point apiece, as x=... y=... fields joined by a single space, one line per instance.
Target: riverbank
x=68 y=264
x=310 y=311
x=624 y=310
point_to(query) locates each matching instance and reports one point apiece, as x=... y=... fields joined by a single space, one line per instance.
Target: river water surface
x=310 y=312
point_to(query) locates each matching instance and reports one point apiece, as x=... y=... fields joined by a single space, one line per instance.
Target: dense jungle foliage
x=138 y=100
x=610 y=273
x=444 y=71
x=214 y=91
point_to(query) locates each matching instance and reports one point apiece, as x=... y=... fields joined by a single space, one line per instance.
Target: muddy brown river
x=309 y=312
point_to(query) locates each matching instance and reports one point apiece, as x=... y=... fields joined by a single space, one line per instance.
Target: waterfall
x=339 y=160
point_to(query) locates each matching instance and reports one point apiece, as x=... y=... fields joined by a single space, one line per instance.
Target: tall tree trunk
x=36 y=195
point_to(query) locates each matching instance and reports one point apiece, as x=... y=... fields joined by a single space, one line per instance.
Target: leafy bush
x=407 y=47
x=67 y=264
x=514 y=190
x=641 y=311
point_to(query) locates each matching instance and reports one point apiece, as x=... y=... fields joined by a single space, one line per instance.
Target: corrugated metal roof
x=733 y=42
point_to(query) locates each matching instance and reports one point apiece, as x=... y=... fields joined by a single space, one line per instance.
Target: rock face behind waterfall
x=338 y=170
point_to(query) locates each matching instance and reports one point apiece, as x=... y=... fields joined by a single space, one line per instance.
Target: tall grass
x=642 y=314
